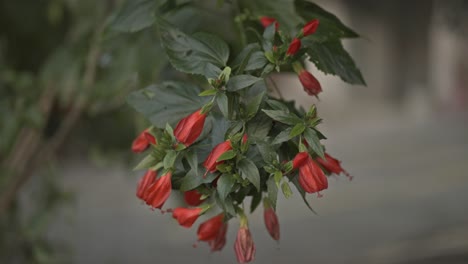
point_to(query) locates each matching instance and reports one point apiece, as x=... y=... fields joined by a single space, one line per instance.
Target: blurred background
x=67 y=189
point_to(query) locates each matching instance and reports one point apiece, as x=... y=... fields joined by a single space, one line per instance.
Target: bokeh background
x=404 y=137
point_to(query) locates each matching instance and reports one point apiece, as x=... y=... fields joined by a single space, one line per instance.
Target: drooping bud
x=186 y=216
x=310 y=27
x=271 y=221
x=294 y=47
x=211 y=161
x=219 y=241
x=192 y=198
x=190 y=127
x=267 y=21
x=157 y=193
x=209 y=229
x=244 y=246
x=311 y=177
x=145 y=182
x=333 y=165
x=310 y=84
x=142 y=141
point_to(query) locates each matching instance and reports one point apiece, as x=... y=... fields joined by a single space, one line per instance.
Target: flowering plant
x=222 y=138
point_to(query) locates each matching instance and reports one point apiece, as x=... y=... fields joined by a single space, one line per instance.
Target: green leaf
x=241 y=61
x=148 y=162
x=250 y=171
x=227 y=155
x=295 y=181
x=134 y=15
x=225 y=184
x=282 y=10
x=208 y=92
x=256 y=199
x=259 y=127
x=277 y=105
x=211 y=71
x=286 y=190
x=283 y=117
x=267 y=151
x=194 y=178
x=314 y=142
x=257 y=61
x=269 y=32
x=272 y=191
x=241 y=81
x=331 y=58
x=169 y=159
x=297 y=130
x=253 y=104
x=330 y=26
x=191 y=54
x=167 y=102
x=283 y=136
x=222 y=101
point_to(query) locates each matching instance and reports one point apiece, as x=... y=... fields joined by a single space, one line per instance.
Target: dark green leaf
x=297 y=130
x=222 y=101
x=134 y=15
x=241 y=81
x=225 y=184
x=253 y=104
x=281 y=10
x=167 y=102
x=227 y=155
x=302 y=193
x=283 y=117
x=256 y=199
x=330 y=26
x=257 y=61
x=314 y=141
x=277 y=105
x=267 y=151
x=147 y=162
x=194 y=178
x=211 y=71
x=191 y=54
x=241 y=61
x=331 y=58
x=283 y=136
x=248 y=170
x=259 y=127
x=269 y=32
x=169 y=159
x=272 y=191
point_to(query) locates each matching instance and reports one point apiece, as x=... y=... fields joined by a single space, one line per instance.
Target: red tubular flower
x=300 y=159
x=271 y=222
x=210 y=162
x=192 y=198
x=310 y=83
x=244 y=245
x=219 y=241
x=311 y=177
x=294 y=47
x=186 y=216
x=157 y=193
x=190 y=127
x=310 y=27
x=332 y=165
x=145 y=182
x=245 y=138
x=141 y=143
x=209 y=229
x=267 y=21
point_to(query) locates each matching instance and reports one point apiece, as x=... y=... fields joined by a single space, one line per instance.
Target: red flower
x=190 y=127
x=271 y=222
x=300 y=159
x=294 y=47
x=245 y=138
x=145 y=182
x=209 y=229
x=211 y=161
x=311 y=177
x=157 y=194
x=310 y=27
x=244 y=245
x=310 y=83
x=332 y=165
x=192 y=198
x=186 y=216
x=219 y=241
x=141 y=143
x=267 y=21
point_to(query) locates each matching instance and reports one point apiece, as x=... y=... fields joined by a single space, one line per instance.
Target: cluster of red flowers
x=309 y=82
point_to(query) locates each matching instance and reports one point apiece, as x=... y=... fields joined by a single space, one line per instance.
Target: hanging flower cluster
x=236 y=141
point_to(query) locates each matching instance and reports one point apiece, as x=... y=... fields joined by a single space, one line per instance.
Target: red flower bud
x=244 y=245
x=210 y=162
x=157 y=194
x=300 y=159
x=219 y=241
x=267 y=21
x=332 y=165
x=141 y=143
x=186 y=216
x=310 y=27
x=244 y=139
x=190 y=127
x=209 y=229
x=192 y=198
x=271 y=222
x=294 y=47
x=310 y=83
x=145 y=182
x=311 y=177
